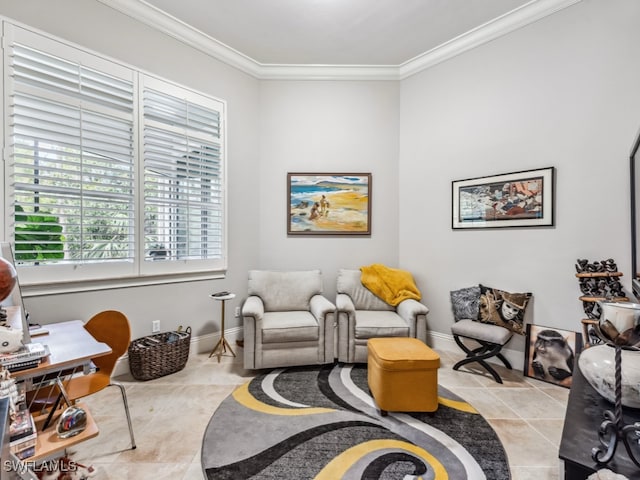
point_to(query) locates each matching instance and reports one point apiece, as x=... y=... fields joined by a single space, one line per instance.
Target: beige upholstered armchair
x=362 y=315
x=287 y=320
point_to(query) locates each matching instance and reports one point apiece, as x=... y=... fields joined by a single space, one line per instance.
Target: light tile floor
x=170 y=415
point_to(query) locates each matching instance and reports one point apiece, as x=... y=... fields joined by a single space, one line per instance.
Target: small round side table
x=222 y=344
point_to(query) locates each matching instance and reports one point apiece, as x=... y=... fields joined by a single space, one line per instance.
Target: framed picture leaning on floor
x=550 y=354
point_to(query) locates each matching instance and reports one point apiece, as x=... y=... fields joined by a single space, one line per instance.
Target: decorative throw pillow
x=465 y=303
x=503 y=308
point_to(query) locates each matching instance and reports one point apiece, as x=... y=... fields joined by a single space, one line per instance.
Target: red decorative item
x=8 y=278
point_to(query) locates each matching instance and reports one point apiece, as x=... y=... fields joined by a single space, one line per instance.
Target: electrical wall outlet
x=237 y=312
x=155 y=326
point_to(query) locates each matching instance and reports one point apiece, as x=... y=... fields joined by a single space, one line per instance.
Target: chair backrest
x=111 y=327
x=349 y=283
x=285 y=291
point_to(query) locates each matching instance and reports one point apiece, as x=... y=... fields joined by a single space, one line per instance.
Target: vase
x=597 y=364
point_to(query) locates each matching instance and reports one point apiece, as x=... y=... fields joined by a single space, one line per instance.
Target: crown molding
x=526 y=14
x=328 y=72
x=157 y=19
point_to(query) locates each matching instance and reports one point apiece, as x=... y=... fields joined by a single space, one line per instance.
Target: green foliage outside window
x=38 y=236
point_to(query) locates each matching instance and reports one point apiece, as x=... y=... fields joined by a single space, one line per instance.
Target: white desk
x=71 y=347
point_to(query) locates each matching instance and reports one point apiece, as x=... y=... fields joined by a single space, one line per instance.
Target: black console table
x=580 y=433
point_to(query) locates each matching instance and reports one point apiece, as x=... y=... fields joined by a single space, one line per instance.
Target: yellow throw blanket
x=390 y=284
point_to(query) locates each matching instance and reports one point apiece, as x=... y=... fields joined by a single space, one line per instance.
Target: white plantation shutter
x=72 y=161
x=83 y=201
x=183 y=175
x=79 y=169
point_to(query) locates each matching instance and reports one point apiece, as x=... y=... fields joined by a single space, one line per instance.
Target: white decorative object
x=8 y=389
x=606 y=474
x=10 y=339
x=618 y=322
x=597 y=364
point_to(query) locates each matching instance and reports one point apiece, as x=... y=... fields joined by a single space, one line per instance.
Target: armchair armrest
x=252 y=313
x=415 y=314
x=410 y=309
x=344 y=303
x=320 y=306
x=253 y=307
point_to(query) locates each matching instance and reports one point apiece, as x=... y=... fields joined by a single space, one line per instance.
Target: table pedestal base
x=222 y=345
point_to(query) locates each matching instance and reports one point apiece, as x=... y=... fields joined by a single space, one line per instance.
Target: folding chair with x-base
x=491 y=339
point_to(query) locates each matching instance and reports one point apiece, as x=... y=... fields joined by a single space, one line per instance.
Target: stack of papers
x=28 y=356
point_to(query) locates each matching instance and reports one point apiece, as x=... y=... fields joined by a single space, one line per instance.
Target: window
x=182 y=176
x=111 y=172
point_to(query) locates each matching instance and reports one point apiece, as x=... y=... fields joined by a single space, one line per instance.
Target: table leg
x=61 y=396
x=222 y=344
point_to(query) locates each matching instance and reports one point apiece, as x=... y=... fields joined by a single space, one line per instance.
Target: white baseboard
x=205 y=343
x=200 y=344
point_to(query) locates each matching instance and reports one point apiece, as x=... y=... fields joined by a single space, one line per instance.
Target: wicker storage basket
x=158 y=355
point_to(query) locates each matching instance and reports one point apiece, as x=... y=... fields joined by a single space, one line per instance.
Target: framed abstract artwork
x=520 y=199
x=550 y=354
x=328 y=203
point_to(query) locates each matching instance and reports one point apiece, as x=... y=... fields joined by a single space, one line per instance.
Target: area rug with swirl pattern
x=322 y=423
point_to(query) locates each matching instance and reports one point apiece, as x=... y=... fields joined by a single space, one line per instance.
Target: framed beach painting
x=329 y=203
x=520 y=199
x=550 y=354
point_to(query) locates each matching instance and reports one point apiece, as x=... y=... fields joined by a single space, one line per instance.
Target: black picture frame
x=518 y=199
x=542 y=365
x=634 y=175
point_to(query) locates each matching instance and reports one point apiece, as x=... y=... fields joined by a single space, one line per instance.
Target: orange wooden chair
x=111 y=327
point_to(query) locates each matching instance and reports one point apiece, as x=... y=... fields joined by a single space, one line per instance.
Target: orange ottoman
x=402 y=374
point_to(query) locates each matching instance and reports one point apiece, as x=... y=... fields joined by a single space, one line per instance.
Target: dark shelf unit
x=585 y=414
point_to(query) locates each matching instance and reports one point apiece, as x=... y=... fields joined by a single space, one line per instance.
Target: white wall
x=106 y=31
x=328 y=127
x=563 y=92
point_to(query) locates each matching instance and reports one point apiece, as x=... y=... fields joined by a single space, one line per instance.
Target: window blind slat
x=52 y=73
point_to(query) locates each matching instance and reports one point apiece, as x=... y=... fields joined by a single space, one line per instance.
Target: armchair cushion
x=282 y=327
x=349 y=283
x=380 y=323
x=285 y=291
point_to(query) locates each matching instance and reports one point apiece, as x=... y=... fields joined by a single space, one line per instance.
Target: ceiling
x=335 y=32
x=260 y=36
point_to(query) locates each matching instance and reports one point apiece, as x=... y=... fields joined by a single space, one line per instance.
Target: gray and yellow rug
x=321 y=423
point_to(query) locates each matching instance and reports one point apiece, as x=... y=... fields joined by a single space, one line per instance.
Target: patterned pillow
x=465 y=303
x=503 y=308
